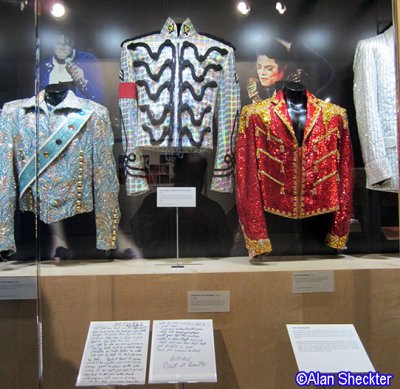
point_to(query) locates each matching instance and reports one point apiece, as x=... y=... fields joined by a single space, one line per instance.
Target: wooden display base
x=252 y=345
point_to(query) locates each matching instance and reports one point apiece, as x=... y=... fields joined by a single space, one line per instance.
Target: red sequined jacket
x=276 y=175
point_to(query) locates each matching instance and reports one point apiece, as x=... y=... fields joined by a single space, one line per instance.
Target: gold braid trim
x=256 y=247
x=336 y=242
x=323 y=179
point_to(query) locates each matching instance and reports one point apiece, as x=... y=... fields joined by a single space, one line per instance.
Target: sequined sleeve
x=371 y=134
x=7 y=182
x=229 y=106
x=135 y=180
x=105 y=183
x=248 y=190
x=340 y=226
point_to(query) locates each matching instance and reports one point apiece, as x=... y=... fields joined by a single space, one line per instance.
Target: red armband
x=127 y=90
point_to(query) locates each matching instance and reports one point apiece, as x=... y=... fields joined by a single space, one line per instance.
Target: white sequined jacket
x=81 y=176
x=173 y=83
x=375 y=102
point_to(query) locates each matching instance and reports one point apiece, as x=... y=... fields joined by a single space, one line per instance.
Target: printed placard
x=328 y=348
x=18 y=288
x=182 y=351
x=322 y=281
x=115 y=353
x=181 y=197
x=209 y=301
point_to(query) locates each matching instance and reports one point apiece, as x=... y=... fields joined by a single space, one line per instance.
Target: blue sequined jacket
x=173 y=85
x=77 y=173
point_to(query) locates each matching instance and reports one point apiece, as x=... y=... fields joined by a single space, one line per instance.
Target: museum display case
x=152 y=150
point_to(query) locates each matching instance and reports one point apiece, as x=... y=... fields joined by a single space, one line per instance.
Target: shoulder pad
x=140 y=36
x=218 y=39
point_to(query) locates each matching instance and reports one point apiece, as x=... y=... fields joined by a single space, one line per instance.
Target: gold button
x=46 y=154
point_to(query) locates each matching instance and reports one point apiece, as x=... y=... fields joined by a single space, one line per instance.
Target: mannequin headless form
x=54 y=94
x=296 y=101
x=306 y=236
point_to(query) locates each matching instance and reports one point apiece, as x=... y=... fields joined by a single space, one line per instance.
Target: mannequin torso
x=296 y=100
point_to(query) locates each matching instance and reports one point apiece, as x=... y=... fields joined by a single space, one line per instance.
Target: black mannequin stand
x=55 y=93
x=296 y=100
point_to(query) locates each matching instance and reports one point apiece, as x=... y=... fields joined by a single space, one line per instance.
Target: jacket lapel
x=282 y=112
x=313 y=111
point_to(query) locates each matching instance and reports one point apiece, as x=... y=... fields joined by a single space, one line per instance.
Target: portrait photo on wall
x=79 y=70
x=276 y=61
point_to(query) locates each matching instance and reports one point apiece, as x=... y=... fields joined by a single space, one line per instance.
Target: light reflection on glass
x=316 y=38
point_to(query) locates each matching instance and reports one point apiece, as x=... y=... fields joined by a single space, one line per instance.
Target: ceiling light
x=243 y=7
x=58 y=10
x=280 y=7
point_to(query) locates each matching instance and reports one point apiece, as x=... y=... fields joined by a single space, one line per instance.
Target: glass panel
x=126 y=110
x=149 y=154
x=19 y=353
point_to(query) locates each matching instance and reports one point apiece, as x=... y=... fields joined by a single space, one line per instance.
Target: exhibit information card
x=328 y=348
x=181 y=197
x=182 y=351
x=115 y=353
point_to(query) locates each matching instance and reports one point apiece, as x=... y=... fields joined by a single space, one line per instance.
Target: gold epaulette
x=260 y=108
x=330 y=110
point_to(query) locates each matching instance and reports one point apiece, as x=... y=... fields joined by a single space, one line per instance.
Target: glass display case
x=150 y=149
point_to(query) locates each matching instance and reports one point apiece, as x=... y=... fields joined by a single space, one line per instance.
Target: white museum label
x=115 y=353
x=17 y=288
x=328 y=348
x=182 y=351
x=176 y=197
x=313 y=281
x=209 y=301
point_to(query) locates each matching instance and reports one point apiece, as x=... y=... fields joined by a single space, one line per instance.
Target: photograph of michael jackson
x=278 y=61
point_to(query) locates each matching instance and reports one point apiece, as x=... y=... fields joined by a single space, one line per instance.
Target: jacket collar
x=313 y=111
x=70 y=102
x=170 y=29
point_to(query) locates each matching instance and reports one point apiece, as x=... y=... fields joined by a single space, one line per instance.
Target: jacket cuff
x=336 y=242
x=136 y=185
x=223 y=184
x=107 y=239
x=378 y=170
x=7 y=242
x=256 y=247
